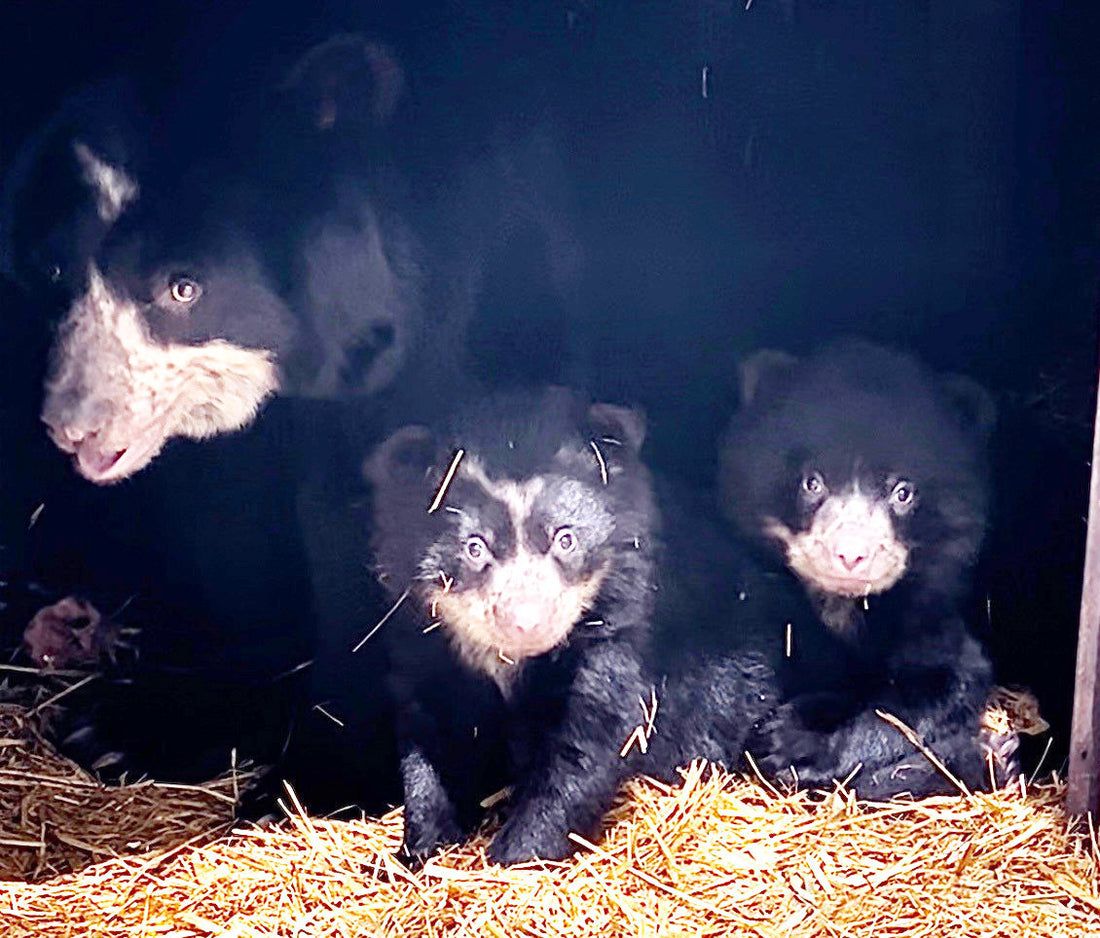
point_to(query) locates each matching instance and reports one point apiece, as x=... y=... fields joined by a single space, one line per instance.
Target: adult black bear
x=226 y=253
x=519 y=544
x=179 y=279
x=863 y=476
x=210 y=256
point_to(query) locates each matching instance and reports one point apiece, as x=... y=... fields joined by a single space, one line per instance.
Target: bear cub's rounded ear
x=404 y=457
x=974 y=405
x=764 y=374
x=346 y=81
x=626 y=425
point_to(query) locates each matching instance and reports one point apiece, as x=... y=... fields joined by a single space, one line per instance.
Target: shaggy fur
x=720 y=622
x=228 y=264
x=365 y=276
x=188 y=322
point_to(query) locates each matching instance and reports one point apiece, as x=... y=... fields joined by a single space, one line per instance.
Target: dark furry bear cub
x=863 y=476
x=518 y=545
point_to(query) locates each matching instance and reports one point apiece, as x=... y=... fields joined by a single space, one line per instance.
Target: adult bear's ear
x=404 y=457
x=764 y=375
x=346 y=81
x=974 y=405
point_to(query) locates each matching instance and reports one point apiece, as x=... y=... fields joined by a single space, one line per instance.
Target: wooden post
x=1083 y=794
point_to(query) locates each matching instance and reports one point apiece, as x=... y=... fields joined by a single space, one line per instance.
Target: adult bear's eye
x=184 y=290
x=813 y=484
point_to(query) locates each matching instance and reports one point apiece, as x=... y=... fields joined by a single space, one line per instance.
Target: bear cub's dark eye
x=565 y=541
x=901 y=498
x=477 y=550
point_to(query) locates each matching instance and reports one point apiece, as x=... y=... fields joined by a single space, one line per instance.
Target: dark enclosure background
x=773 y=172
x=925 y=171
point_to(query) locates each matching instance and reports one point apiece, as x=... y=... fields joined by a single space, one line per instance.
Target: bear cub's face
x=860 y=468
x=850 y=539
x=517 y=561
x=505 y=543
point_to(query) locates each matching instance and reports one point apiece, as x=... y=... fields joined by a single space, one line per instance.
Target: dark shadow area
x=777 y=174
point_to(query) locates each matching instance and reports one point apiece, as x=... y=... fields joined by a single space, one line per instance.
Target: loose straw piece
x=57 y=818
x=442 y=490
x=912 y=736
x=600 y=460
x=366 y=638
x=713 y=856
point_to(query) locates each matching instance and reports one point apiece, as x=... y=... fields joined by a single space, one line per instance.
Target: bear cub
x=518 y=545
x=861 y=478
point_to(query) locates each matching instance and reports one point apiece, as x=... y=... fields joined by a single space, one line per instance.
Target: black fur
x=718 y=639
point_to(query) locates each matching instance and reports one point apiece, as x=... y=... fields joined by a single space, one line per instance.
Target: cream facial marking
x=518 y=497
x=849 y=550
x=113 y=188
x=115 y=396
x=524 y=609
x=525 y=606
